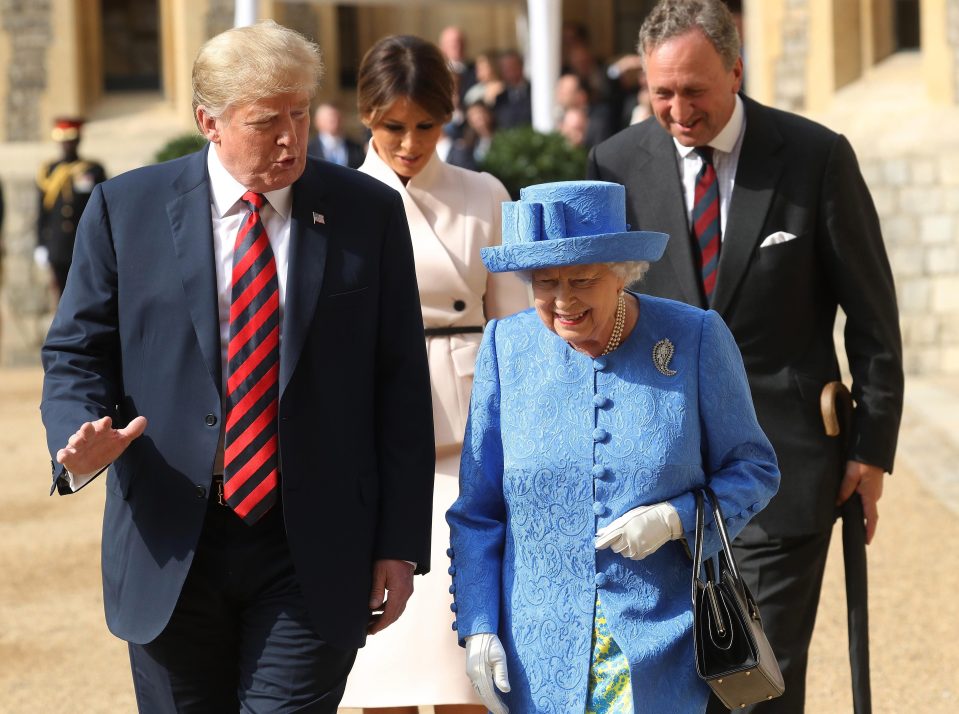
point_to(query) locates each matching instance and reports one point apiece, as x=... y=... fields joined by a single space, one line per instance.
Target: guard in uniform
x=65 y=186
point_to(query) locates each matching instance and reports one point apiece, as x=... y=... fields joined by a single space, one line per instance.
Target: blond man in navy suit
x=222 y=614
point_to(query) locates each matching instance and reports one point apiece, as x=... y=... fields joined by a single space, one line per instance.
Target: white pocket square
x=776 y=238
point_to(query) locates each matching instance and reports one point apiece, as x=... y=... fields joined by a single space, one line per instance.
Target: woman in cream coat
x=405 y=95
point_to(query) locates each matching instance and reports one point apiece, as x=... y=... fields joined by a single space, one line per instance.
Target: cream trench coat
x=452 y=213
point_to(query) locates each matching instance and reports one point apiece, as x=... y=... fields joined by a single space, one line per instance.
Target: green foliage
x=522 y=156
x=180 y=146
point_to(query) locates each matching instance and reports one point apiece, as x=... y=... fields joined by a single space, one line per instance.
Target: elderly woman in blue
x=594 y=419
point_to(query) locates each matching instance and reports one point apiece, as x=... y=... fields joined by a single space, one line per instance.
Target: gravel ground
x=57 y=656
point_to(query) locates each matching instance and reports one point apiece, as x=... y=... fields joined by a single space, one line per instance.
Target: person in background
x=488 y=84
x=572 y=92
x=774 y=228
x=330 y=143
x=405 y=95
x=470 y=151
x=593 y=421
x=574 y=126
x=513 y=106
x=452 y=43
x=65 y=185
x=239 y=344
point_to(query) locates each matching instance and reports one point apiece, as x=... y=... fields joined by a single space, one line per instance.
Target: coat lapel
x=192 y=230
x=756 y=177
x=308 y=247
x=663 y=209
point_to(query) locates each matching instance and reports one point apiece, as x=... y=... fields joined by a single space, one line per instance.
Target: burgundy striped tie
x=706 y=219
x=250 y=475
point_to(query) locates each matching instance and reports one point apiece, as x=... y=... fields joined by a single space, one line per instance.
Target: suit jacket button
x=210 y=419
x=600 y=435
x=600 y=579
x=200 y=491
x=459 y=305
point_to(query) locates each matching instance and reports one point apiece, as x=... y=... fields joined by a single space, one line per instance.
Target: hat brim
x=580 y=250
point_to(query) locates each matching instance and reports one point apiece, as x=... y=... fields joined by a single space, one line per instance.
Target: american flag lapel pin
x=319 y=218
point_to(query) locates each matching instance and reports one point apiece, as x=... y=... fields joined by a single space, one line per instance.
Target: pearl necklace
x=618 y=324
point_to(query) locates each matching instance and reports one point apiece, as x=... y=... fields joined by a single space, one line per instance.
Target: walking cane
x=836 y=406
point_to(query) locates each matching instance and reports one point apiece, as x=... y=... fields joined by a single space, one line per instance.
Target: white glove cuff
x=674 y=522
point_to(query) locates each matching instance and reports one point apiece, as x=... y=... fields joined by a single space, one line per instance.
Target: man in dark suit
x=260 y=309
x=799 y=237
x=513 y=106
x=330 y=143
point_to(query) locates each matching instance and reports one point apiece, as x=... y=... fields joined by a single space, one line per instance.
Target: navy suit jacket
x=780 y=301
x=137 y=333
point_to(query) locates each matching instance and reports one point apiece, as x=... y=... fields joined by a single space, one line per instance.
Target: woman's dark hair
x=404 y=66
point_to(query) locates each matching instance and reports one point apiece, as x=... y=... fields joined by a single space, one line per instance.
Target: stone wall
x=790 y=71
x=219 y=17
x=917 y=197
x=27 y=25
x=26 y=298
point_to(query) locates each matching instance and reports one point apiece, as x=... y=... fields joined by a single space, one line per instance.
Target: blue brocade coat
x=558 y=445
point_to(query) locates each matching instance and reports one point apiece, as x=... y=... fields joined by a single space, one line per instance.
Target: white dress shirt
x=726 y=147
x=228 y=213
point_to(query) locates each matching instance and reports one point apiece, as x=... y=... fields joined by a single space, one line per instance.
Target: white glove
x=486 y=664
x=641 y=531
x=41 y=256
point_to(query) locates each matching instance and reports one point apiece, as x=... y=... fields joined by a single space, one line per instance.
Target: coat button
x=452 y=589
x=599 y=471
x=600 y=435
x=210 y=419
x=453 y=606
x=599 y=401
x=454 y=626
x=600 y=579
x=449 y=552
x=200 y=491
x=599 y=364
x=459 y=305
x=599 y=509
x=451 y=570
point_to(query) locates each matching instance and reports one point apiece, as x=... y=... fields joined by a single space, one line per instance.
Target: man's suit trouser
x=240 y=639
x=785 y=576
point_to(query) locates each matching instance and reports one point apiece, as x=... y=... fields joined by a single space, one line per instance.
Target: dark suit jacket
x=354 y=152
x=137 y=333
x=780 y=301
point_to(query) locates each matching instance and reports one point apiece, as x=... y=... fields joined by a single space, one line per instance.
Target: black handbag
x=733 y=655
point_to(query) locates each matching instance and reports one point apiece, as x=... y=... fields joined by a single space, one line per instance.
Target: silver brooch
x=662 y=354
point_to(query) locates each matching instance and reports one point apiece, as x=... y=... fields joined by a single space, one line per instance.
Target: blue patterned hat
x=569 y=223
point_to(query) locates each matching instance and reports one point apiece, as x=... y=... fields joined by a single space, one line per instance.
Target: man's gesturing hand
x=97 y=444
x=395 y=577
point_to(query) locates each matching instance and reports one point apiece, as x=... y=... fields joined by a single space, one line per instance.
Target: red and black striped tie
x=250 y=475
x=706 y=219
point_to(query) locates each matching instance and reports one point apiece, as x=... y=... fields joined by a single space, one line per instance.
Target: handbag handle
x=698 y=551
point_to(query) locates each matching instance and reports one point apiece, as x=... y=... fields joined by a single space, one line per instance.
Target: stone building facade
x=883 y=72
